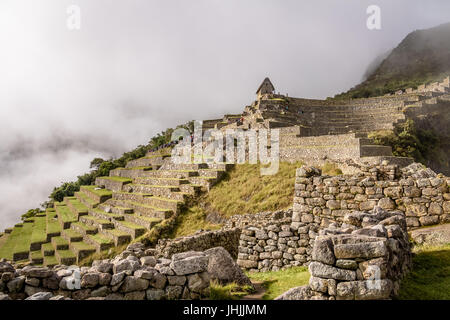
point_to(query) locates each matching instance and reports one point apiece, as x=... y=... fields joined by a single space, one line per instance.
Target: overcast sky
x=137 y=67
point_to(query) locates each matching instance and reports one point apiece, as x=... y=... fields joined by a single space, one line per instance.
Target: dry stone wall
x=280 y=240
x=133 y=275
x=226 y=238
x=358 y=263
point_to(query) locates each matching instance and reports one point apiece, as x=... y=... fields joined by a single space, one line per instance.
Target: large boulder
x=189 y=262
x=224 y=269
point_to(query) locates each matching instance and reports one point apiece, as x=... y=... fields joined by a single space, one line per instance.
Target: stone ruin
x=365 y=259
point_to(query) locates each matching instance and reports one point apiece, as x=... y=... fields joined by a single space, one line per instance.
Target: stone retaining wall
x=133 y=275
x=320 y=202
x=226 y=238
x=363 y=260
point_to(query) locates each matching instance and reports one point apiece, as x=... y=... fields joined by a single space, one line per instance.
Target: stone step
x=131 y=228
x=144 y=210
x=100 y=213
x=117 y=236
x=171 y=192
x=143 y=221
x=84 y=199
x=83 y=228
x=129 y=173
x=148 y=161
x=179 y=174
x=96 y=194
x=59 y=243
x=169 y=165
x=82 y=250
x=113 y=183
x=204 y=182
x=47 y=249
x=78 y=208
x=65 y=216
x=97 y=223
x=99 y=241
x=161 y=181
x=211 y=173
x=36 y=257
x=147 y=199
x=71 y=235
x=65 y=257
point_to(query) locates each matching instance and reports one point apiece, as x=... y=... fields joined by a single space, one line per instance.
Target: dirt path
x=258 y=294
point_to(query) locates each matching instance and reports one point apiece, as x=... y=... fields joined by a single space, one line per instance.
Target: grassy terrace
x=47 y=249
x=132 y=203
x=118 y=179
x=85 y=198
x=96 y=191
x=77 y=205
x=101 y=239
x=39 y=234
x=65 y=214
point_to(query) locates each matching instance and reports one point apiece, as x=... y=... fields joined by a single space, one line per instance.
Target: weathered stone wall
x=322 y=201
x=226 y=238
x=133 y=275
x=422 y=195
x=358 y=263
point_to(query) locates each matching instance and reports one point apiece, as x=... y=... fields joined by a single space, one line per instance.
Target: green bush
x=408 y=141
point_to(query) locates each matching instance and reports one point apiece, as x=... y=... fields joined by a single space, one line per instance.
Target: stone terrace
x=118 y=209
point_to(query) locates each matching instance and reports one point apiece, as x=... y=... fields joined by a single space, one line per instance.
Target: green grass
x=430 y=277
x=50 y=261
x=99 y=192
x=78 y=206
x=23 y=243
x=66 y=254
x=52 y=224
x=118 y=179
x=65 y=214
x=84 y=196
x=48 y=247
x=36 y=254
x=278 y=282
x=331 y=169
x=231 y=291
x=82 y=246
x=59 y=241
x=190 y=220
x=244 y=190
x=39 y=230
x=98 y=238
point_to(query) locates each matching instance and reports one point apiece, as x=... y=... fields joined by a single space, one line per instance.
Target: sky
x=137 y=67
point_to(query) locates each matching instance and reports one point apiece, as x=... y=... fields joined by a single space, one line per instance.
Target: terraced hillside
x=117 y=210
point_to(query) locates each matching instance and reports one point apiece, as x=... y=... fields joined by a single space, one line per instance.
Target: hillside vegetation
x=243 y=190
x=422 y=57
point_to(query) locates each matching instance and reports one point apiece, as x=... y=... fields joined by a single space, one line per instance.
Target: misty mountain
x=422 y=57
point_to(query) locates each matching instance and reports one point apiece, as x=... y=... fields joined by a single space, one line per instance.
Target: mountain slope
x=422 y=57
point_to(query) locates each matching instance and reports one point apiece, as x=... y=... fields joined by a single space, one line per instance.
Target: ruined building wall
x=420 y=195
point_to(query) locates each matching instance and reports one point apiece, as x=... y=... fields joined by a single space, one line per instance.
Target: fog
x=137 y=67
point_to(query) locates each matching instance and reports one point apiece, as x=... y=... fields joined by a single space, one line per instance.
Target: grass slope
x=243 y=190
x=430 y=277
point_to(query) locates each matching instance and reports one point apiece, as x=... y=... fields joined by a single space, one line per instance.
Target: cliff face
x=422 y=57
